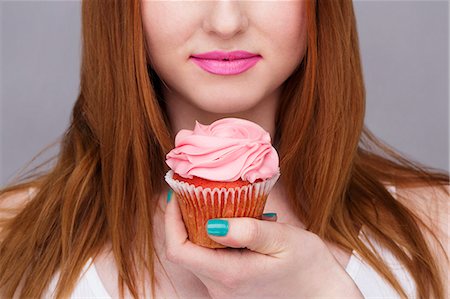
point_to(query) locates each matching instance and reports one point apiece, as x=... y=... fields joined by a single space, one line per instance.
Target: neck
x=183 y=114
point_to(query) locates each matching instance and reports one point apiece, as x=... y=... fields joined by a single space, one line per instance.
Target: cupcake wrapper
x=199 y=204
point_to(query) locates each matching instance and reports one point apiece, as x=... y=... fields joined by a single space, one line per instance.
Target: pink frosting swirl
x=226 y=150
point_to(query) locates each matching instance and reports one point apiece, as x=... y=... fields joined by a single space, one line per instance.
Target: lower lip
x=221 y=67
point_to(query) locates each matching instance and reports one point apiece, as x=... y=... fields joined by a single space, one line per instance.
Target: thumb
x=261 y=236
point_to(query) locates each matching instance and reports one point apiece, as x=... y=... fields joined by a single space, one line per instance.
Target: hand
x=281 y=260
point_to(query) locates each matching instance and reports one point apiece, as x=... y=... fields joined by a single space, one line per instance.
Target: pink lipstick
x=226 y=63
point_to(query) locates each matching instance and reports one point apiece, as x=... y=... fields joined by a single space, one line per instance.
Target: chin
x=221 y=105
x=226 y=108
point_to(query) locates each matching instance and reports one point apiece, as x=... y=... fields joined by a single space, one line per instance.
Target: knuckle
x=292 y=237
x=314 y=246
x=291 y=228
x=286 y=232
x=252 y=232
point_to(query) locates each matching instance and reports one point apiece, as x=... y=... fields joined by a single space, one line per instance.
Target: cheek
x=168 y=25
x=287 y=30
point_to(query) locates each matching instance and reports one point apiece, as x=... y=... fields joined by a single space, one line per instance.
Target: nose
x=225 y=19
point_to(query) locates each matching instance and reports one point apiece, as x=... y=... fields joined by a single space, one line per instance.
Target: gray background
x=404 y=47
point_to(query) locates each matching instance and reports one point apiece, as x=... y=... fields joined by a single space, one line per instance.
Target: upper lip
x=221 y=55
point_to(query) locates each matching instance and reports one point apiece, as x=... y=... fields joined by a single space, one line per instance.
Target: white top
x=370 y=283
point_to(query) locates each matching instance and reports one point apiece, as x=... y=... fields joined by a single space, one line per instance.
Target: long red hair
x=109 y=172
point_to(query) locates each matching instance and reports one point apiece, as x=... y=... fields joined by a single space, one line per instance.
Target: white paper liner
x=199 y=204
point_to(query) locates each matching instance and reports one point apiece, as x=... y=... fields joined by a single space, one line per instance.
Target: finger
x=198 y=259
x=266 y=237
x=269 y=216
x=174 y=220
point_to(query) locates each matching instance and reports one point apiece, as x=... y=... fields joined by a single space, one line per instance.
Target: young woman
x=355 y=219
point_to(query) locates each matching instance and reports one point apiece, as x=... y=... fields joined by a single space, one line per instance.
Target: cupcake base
x=199 y=204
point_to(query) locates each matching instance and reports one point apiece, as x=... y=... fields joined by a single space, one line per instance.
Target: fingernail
x=270 y=215
x=217 y=227
x=169 y=195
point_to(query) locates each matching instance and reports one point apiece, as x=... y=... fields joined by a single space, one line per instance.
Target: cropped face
x=224 y=56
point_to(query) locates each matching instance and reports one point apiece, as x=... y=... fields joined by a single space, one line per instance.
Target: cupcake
x=222 y=170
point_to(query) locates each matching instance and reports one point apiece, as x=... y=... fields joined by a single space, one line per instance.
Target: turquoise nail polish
x=217 y=227
x=270 y=215
x=169 y=195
